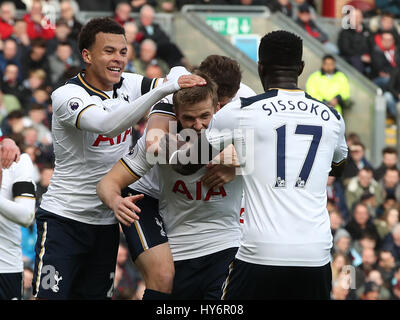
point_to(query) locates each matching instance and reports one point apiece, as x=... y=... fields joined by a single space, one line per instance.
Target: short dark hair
x=328 y=57
x=389 y=150
x=225 y=72
x=280 y=48
x=87 y=36
x=196 y=94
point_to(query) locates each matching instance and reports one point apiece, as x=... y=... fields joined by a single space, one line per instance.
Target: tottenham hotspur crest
x=160 y=224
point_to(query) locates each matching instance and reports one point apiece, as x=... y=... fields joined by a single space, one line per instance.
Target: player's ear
x=86 y=56
x=301 y=68
x=218 y=107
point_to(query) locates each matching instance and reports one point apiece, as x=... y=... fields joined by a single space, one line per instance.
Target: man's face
x=147 y=17
x=147 y=52
x=11 y=73
x=66 y=10
x=361 y=215
x=386 y=260
x=364 y=178
x=106 y=59
x=123 y=11
x=391 y=178
x=10 y=49
x=329 y=66
x=64 y=52
x=389 y=159
x=368 y=257
x=196 y=116
x=387 y=40
x=6 y=12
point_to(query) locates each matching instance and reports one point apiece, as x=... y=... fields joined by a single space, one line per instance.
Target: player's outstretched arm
x=9 y=153
x=112 y=123
x=109 y=192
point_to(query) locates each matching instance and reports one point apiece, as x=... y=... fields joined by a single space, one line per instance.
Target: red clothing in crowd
x=36 y=30
x=6 y=29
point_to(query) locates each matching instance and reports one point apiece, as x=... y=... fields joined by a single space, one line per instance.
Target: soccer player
x=17 y=208
x=202 y=223
x=93 y=113
x=297 y=142
x=154 y=259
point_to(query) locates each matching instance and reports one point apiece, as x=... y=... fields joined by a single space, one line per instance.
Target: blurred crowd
x=38 y=54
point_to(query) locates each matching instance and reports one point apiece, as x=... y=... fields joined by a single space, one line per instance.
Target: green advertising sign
x=230 y=25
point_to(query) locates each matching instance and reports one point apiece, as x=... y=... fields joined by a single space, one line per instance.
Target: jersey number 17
x=316 y=133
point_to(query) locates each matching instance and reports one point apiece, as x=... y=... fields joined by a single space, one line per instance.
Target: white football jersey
x=198 y=221
x=10 y=232
x=148 y=184
x=293 y=141
x=82 y=158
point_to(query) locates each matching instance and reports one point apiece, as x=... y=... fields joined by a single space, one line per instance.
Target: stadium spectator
x=307 y=22
x=385 y=23
x=35 y=58
x=9 y=55
x=392 y=242
x=336 y=221
x=154 y=71
x=385 y=57
x=375 y=276
x=166 y=50
x=61 y=60
x=342 y=243
x=298 y=3
x=335 y=192
x=7 y=19
x=389 y=160
x=122 y=13
x=390 y=184
x=127 y=276
x=370 y=292
x=10 y=83
x=67 y=13
x=392 y=95
x=27 y=278
x=20 y=34
x=283 y=6
x=361 y=184
x=361 y=223
x=339 y=260
x=354 y=44
x=386 y=266
x=46 y=172
x=385 y=224
x=355 y=161
x=368 y=264
x=38 y=26
x=63 y=31
x=340 y=288
x=329 y=85
x=396 y=283
x=36 y=117
x=147 y=56
x=35 y=80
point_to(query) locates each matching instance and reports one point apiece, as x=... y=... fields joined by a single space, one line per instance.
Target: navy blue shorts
x=74 y=260
x=202 y=278
x=149 y=230
x=11 y=286
x=248 y=281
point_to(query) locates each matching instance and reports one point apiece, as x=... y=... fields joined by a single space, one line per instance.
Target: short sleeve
x=135 y=161
x=69 y=102
x=341 y=149
x=164 y=107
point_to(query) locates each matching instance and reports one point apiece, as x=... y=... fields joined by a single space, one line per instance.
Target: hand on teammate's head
x=9 y=153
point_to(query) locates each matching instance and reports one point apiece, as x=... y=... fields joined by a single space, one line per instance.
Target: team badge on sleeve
x=74 y=104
